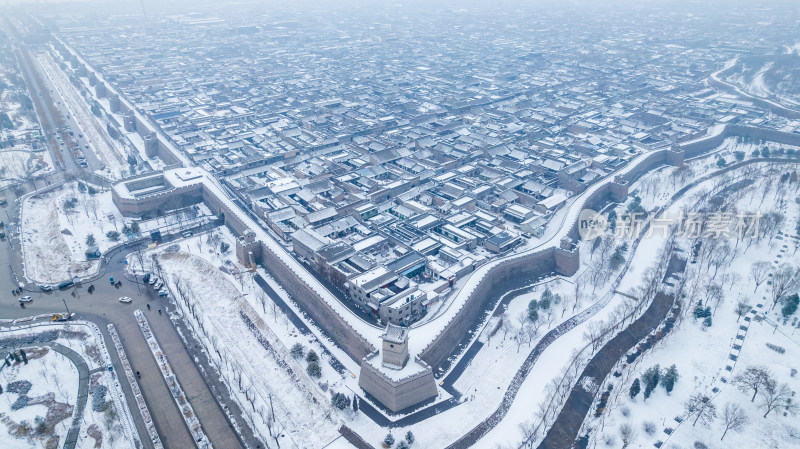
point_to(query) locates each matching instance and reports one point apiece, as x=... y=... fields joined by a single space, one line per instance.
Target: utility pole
x=65 y=305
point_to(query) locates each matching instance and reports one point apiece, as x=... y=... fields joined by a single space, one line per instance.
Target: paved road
x=83 y=392
x=102 y=307
x=50 y=119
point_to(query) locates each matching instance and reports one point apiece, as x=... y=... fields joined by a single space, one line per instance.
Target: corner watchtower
x=395 y=346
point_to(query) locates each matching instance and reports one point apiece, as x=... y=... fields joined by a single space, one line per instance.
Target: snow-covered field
x=13 y=164
x=19 y=161
x=54 y=236
x=214 y=297
x=723 y=349
x=24 y=122
x=53 y=391
x=49 y=384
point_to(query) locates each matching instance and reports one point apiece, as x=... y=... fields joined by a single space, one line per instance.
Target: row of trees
x=783 y=280
x=701 y=408
x=652 y=377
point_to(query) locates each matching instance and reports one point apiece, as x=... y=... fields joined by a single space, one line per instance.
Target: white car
x=153 y=280
x=158 y=285
x=25 y=299
x=163 y=292
x=125 y=299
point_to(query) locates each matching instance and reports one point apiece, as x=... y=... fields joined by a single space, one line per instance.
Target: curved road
x=102 y=307
x=83 y=389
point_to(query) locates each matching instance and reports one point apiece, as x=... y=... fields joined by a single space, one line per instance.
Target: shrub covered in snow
x=340 y=401
x=776 y=348
x=98 y=397
x=21 y=402
x=314 y=370
x=29 y=340
x=297 y=350
x=19 y=387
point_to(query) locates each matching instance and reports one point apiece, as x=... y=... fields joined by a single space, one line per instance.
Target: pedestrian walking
x=159 y=311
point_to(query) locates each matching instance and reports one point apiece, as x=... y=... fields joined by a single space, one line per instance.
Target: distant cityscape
x=361 y=224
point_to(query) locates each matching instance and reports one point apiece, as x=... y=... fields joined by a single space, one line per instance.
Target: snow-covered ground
x=54 y=388
x=13 y=165
x=53 y=392
x=24 y=122
x=54 y=235
x=20 y=161
x=213 y=293
x=200 y=263
x=723 y=349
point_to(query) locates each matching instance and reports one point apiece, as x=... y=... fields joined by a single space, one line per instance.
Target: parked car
x=158 y=285
x=65 y=284
x=187 y=234
x=163 y=292
x=125 y=299
x=146 y=277
x=25 y=299
x=45 y=288
x=153 y=280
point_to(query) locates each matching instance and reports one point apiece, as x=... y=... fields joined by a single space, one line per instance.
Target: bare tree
x=720 y=255
x=713 y=293
x=593 y=334
x=759 y=271
x=753 y=378
x=733 y=418
x=702 y=408
x=769 y=225
x=627 y=434
x=741 y=308
x=785 y=279
x=606 y=245
x=775 y=396
x=523 y=333
x=528 y=430
x=506 y=325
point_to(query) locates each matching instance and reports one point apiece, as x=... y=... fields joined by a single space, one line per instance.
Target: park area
x=57 y=390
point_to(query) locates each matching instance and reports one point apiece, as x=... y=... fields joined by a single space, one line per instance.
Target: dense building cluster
x=394 y=156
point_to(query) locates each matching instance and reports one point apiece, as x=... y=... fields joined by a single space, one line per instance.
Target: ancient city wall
x=518 y=271
x=771 y=135
x=700 y=146
x=397 y=395
x=219 y=208
x=136 y=207
x=507 y=275
x=355 y=345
